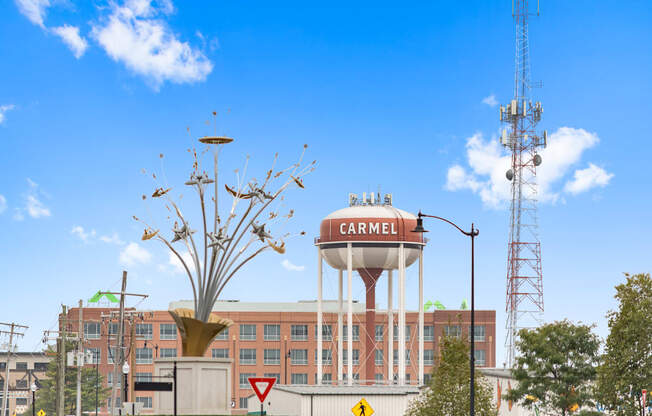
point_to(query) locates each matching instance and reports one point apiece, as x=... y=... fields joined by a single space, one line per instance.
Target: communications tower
x=524 y=304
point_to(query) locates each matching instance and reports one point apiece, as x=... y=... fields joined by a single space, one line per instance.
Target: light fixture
x=125 y=368
x=33 y=387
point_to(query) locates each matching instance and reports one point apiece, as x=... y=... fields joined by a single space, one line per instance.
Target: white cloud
x=585 y=179
x=292 y=267
x=134 y=35
x=3 y=203
x=70 y=36
x=490 y=100
x=134 y=254
x=176 y=266
x=33 y=205
x=79 y=231
x=34 y=10
x=112 y=239
x=4 y=109
x=488 y=163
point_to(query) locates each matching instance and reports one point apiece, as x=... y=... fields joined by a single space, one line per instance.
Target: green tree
x=46 y=394
x=448 y=393
x=555 y=367
x=626 y=366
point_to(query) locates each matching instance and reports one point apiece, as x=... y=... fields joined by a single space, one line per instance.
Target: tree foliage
x=626 y=366
x=555 y=367
x=448 y=393
x=46 y=394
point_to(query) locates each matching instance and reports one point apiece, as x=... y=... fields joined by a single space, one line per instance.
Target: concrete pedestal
x=203 y=386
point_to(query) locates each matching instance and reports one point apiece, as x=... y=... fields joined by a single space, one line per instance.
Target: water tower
x=370 y=236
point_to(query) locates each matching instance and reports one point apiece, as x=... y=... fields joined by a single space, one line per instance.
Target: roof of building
x=353 y=390
x=497 y=372
x=329 y=306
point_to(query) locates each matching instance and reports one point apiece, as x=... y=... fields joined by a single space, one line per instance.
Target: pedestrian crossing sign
x=362 y=408
x=40 y=413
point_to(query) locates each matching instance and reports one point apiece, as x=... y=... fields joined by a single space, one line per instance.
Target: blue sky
x=389 y=97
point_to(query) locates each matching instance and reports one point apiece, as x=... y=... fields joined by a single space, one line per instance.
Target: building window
x=92 y=330
x=146 y=401
x=378 y=378
x=111 y=356
x=327 y=357
x=94 y=353
x=479 y=356
x=244 y=380
x=247 y=356
x=299 y=378
x=277 y=376
x=427 y=378
x=356 y=377
x=380 y=329
x=356 y=333
x=144 y=377
x=220 y=353
x=379 y=357
x=40 y=367
x=299 y=357
x=356 y=357
x=168 y=331
x=21 y=401
x=326 y=332
x=326 y=378
x=109 y=379
x=144 y=331
x=407 y=332
x=428 y=333
x=272 y=332
x=168 y=352
x=272 y=357
x=113 y=329
x=3 y=366
x=222 y=336
x=21 y=366
x=479 y=331
x=143 y=355
x=243 y=402
x=452 y=331
x=428 y=357
x=21 y=384
x=407 y=357
x=118 y=402
x=299 y=332
x=247 y=332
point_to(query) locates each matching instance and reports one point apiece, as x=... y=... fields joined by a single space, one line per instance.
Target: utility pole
x=120 y=359
x=12 y=332
x=117 y=363
x=80 y=356
x=61 y=357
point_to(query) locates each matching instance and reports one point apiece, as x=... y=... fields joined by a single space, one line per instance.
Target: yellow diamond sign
x=41 y=413
x=362 y=408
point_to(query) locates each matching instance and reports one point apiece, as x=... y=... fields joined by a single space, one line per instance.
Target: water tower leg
x=340 y=311
x=349 y=317
x=421 y=316
x=390 y=328
x=401 y=315
x=319 y=317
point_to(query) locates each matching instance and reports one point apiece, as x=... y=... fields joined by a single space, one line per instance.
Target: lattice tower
x=524 y=304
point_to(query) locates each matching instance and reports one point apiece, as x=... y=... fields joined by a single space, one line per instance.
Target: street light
x=473 y=233
x=125 y=371
x=33 y=388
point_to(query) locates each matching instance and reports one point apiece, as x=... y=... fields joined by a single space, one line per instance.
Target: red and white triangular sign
x=262 y=380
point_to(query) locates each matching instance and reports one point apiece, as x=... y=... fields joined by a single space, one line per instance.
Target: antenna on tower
x=524 y=303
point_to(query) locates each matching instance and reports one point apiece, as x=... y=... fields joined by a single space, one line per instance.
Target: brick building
x=25 y=368
x=277 y=340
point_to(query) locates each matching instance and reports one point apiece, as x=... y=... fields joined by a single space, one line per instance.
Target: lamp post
x=96 y=358
x=33 y=388
x=473 y=233
x=125 y=371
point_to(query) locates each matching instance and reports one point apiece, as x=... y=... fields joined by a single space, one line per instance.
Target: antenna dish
x=215 y=139
x=509 y=174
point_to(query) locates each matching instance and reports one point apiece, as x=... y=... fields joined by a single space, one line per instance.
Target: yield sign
x=254 y=384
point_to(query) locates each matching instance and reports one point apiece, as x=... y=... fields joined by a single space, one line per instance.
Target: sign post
x=261 y=395
x=644 y=398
